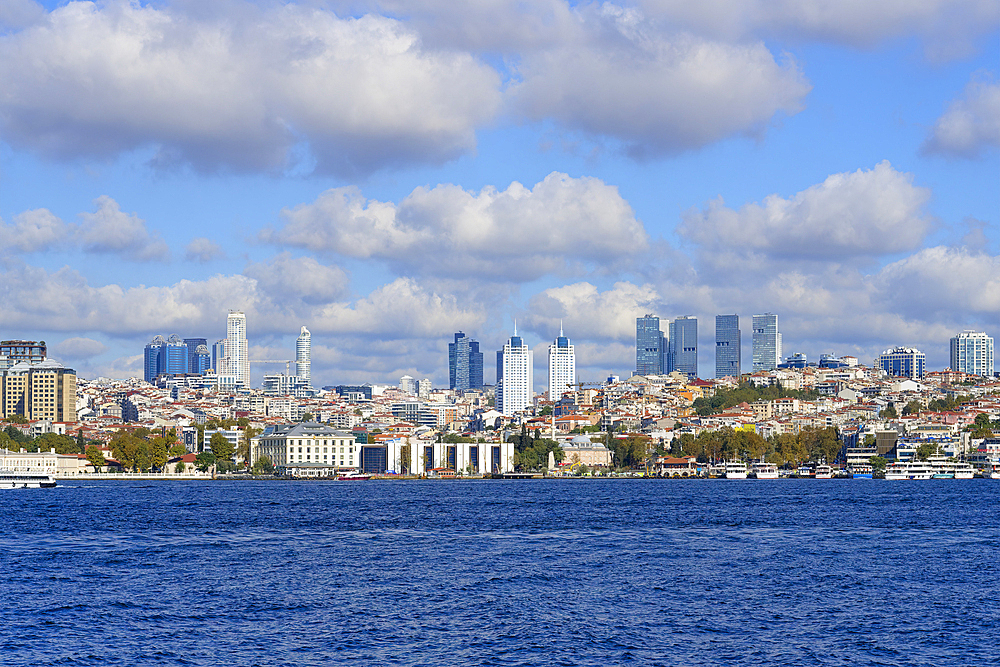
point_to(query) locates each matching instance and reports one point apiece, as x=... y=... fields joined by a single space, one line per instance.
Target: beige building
x=581 y=450
x=46 y=390
x=307 y=449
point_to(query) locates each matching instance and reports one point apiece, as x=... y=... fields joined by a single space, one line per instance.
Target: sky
x=389 y=173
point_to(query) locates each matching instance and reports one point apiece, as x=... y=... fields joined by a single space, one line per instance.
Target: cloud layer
x=971 y=125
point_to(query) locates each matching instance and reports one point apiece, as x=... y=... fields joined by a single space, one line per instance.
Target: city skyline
x=554 y=161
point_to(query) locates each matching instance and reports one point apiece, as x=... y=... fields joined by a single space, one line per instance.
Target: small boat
x=765 y=471
x=736 y=470
x=824 y=471
x=12 y=479
x=862 y=471
x=353 y=476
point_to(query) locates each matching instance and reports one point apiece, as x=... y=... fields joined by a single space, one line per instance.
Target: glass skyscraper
x=465 y=363
x=766 y=342
x=683 y=346
x=650 y=352
x=303 y=356
x=902 y=362
x=728 y=355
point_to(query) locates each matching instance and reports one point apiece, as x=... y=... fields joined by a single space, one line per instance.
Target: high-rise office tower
x=173 y=356
x=650 y=350
x=219 y=357
x=237 y=355
x=683 y=346
x=727 y=346
x=562 y=366
x=465 y=363
x=514 y=376
x=202 y=360
x=303 y=356
x=972 y=353
x=902 y=362
x=766 y=342
x=192 y=350
x=151 y=358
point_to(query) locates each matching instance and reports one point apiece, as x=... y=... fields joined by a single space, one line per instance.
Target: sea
x=482 y=572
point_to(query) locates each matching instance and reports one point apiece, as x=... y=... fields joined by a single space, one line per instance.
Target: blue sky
x=387 y=173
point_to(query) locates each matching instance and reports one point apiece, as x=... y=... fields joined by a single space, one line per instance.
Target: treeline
x=723 y=399
x=531 y=451
x=14 y=439
x=786 y=450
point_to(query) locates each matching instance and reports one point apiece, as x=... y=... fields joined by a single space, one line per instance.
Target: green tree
x=221 y=446
x=912 y=408
x=95 y=457
x=81 y=443
x=263 y=466
x=546 y=411
x=16 y=419
x=204 y=461
x=925 y=451
x=307 y=417
x=889 y=412
x=177 y=450
x=878 y=464
x=180 y=467
x=249 y=433
x=158 y=452
x=63 y=444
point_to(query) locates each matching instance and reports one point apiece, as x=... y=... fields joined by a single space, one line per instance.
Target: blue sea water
x=574 y=572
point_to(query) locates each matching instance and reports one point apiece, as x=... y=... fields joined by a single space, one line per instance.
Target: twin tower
x=515 y=370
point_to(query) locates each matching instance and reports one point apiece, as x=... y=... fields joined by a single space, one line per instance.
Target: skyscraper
x=303 y=356
x=562 y=366
x=683 y=346
x=192 y=349
x=649 y=346
x=202 y=360
x=727 y=346
x=237 y=361
x=972 y=353
x=151 y=358
x=219 y=357
x=514 y=376
x=465 y=363
x=173 y=356
x=766 y=342
x=902 y=362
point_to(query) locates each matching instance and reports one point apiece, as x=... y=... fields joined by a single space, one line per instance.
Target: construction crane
x=286 y=362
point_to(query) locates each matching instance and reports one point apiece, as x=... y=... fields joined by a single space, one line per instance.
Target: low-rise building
x=307 y=449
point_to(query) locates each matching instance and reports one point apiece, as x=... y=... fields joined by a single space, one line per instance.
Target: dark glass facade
x=728 y=358
x=650 y=351
x=465 y=363
x=683 y=347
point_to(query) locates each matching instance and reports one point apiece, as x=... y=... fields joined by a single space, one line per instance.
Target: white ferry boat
x=823 y=471
x=765 y=471
x=937 y=468
x=12 y=479
x=861 y=471
x=736 y=470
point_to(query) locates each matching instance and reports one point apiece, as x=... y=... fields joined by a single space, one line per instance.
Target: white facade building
x=303 y=356
x=972 y=353
x=409 y=385
x=236 y=364
x=515 y=363
x=562 y=366
x=307 y=450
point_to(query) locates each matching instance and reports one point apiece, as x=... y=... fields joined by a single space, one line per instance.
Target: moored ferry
x=861 y=471
x=736 y=470
x=823 y=471
x=765 y=471
x=936 y=468
x=12 y=479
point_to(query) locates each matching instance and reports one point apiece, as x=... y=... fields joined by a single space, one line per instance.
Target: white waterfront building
x=515 y=363
x=562 y=366
x=307 y=450
x=426 y=457
x=972 y=353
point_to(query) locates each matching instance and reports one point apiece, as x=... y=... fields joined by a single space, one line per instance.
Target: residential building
x=515 y=363
x=237 y=360
x=972 y=353
x=902 y=362
x=424 y=388
x=44 y=390
x=23 y=350
x=465 y=363
x=650 y=348
x=307 y=449
x=766 y=342
x=409 y=385
x=303 y=356
x=728 y=354
x=562 y=366
x=683 y=346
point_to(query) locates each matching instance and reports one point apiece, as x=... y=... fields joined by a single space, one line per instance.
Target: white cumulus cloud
x=239 y=91
x=109 y=230
x=33 y=231
x=971 y=124
x=517 y=234
x=864 y=213
x=201 y=249
x=657 y=93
